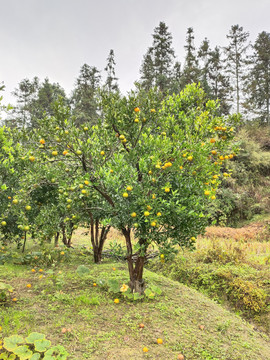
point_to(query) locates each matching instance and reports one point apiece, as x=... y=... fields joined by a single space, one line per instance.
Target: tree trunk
x=98 y=238
x=56 y=238
x=64 y=236
x=136 y=282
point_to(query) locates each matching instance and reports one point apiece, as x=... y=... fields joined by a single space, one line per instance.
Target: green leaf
x=35 y=356
x=6 y=287
x=156 y=290
x=11 y=342
x=4 y=356
x=137 y=296
x=59 y=351
x=23 y=352
x=12 y=357
x=42 y=345
x=34 y=336
x=49 y=357
x=113 y=286
x=82 y=270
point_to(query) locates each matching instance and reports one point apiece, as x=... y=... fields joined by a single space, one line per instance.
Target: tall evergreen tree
x=258 y=79
x=25 y=94
x=191 y=71
x=236 y=59
x=156 y=69
x=204 y=55
x=148 y=70
x=84 y=97
x=176 y=79
x=218 y=81
x=46 y=96
x=111 y=80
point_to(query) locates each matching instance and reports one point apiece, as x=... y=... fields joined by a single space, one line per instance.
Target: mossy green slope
x=188 y=322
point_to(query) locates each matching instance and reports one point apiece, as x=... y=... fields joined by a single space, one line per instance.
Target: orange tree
x=166 y=170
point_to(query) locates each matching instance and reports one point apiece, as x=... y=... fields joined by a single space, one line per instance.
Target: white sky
x=54 y=38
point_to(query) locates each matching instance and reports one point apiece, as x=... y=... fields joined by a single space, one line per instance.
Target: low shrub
x=34 y=347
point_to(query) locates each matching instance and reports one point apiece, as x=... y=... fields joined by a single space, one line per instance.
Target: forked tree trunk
x=66 y=238
x=136 y=282
x=98 y=238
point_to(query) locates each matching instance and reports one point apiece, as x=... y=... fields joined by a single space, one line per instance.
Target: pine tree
x=236 y=59
x=204 y=55
x=111 y=80
x=175 y=87
x=191 y=72
x=25 y=94
x=218 y=81
x=148 y=70
x=84 y=97
x=258 y=79
x=156 y=69
x=47 y=95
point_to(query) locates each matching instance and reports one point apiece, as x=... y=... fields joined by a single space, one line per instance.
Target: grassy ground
x=188 y=322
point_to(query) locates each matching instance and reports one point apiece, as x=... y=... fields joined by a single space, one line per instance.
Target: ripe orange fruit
x=212 y=141
x=214 y=152
x=65 y=152
x=86 y=182
x=190 y=158
x=141 y=325
x=14 y=299
x=159 y=341
x=207 y=192
x=136 y=109
x=152 y=110
x=40 y=270
x=145 y=349
x=42 y=141
x=33 y=270
x=116 y=301
x=29 y=285
x=180 y=357
x=94 y=284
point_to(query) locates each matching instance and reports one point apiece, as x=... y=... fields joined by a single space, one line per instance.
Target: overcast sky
x=54 y=38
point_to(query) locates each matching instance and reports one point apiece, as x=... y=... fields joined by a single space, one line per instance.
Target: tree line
x=238 y=75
